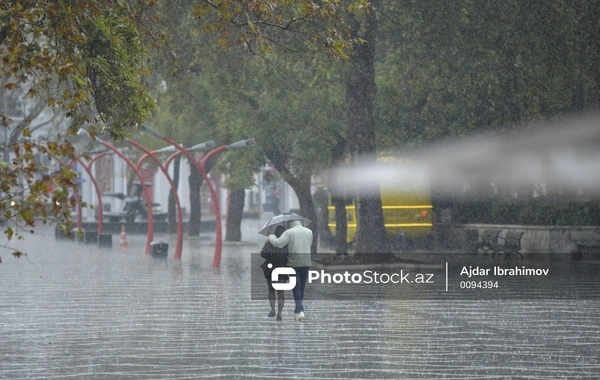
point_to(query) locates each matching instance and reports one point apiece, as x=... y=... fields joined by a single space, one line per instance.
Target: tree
x=452 y=69
x=339 y=196
x=19 y=115
x=448 y=70
x=171 y=212
x=371 y=237
x=276 y=30
x=247 y=96
x=292 y=120
x=240 y=166
x=83 y=58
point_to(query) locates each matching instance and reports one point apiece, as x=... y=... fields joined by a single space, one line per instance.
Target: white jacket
x=298 y=239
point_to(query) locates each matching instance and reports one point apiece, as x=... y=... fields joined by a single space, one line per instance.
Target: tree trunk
x=234 y=215
x=195 y=181
x=171 y=210
x=371 y=239
x=338 y=197
x=341 y=225
x=301 y=185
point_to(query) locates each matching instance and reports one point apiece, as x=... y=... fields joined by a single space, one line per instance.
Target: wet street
x=69 y=310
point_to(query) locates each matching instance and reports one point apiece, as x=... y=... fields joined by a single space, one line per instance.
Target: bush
x=536 y=213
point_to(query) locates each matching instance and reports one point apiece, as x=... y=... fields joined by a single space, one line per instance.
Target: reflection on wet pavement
x=74 y=311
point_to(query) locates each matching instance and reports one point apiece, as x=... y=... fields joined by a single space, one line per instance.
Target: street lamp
x=103 y=239
x=198 y=147
x=164 y=169
x=83 y=132
x=148 y=153
x=213 y=193
x=175 y=151
x=88 y=170
x=201 y=169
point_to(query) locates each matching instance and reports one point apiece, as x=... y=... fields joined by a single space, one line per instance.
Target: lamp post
x=88 y=170
x=213 y=193
x=178 y=245
x=201 y=169
x=100 y=207
x=150 y=237
x=198 y=147
x=164 y=169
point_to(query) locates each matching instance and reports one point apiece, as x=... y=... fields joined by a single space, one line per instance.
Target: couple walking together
x=289 y=248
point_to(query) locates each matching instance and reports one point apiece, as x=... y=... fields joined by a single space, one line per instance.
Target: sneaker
x=300 y=316
x=271 y=314
x=279 y=317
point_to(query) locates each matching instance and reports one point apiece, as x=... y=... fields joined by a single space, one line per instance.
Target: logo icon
x=282 y=271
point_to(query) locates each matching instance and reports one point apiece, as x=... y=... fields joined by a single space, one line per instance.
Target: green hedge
x=536 y=213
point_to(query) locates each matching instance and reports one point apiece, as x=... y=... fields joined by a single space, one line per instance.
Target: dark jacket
x=276 y=256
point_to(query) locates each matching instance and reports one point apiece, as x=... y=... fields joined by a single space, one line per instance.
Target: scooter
x=134 y=207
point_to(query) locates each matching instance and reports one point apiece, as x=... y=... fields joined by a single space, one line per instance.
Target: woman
x=274 y=258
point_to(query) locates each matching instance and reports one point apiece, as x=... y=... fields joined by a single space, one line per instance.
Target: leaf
x=9 y=233
x=11 y=86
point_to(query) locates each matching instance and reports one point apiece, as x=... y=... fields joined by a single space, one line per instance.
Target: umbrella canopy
x=281 y=220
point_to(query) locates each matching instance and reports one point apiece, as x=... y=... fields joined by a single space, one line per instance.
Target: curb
x=239 y=244
x=417 y=266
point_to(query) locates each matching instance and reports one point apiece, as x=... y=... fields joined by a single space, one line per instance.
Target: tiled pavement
x=75 y=311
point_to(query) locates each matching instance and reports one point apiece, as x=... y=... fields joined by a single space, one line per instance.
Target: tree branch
x=3 y=34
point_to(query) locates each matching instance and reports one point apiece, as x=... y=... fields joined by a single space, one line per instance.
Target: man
x=298 y=239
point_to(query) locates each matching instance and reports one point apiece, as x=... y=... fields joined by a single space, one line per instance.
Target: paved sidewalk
x=74 y=311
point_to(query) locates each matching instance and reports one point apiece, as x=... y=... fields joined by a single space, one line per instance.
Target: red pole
x=215 y=198
x=178 y=245
x=79 y=221
x=100 y=207
x=89 y=172
x=172 y=157
x=201 y=169
x=146 y=193
x=138 y=164
x=217 y=257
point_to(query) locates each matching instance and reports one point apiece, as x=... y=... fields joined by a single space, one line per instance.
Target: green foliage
x=540 y=212
x=83 y=59
x=452 y=68
x=268 y=28
x=30 y=191
x=289 y=105
x=86 y=58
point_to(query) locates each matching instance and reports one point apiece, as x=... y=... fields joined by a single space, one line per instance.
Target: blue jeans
x=301 y=278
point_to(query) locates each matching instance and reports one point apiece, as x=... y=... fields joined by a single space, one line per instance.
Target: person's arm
x=265 y=252
x=282 y=241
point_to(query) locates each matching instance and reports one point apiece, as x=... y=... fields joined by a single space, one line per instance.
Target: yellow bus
x=406 y=213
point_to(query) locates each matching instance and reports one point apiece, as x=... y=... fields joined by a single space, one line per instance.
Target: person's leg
x=271 y=299
x=301 y=278
x=280 y=302
x=297 y=292
x=304 y=279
